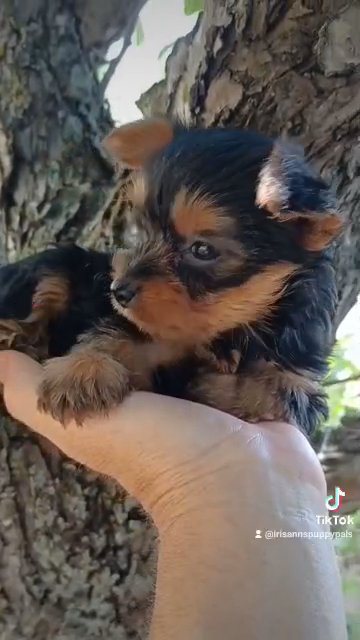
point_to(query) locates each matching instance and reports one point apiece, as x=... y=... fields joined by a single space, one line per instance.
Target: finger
x=97 y=446
x=116 y=445
x=148 y=443
x=133 y=444
x=20 y=376
x=110 y=444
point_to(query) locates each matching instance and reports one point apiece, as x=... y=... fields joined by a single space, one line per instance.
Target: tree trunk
x=54 y=178
x=74 y=552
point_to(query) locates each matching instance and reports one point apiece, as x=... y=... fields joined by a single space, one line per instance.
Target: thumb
x=20 y=376
x=117 y=445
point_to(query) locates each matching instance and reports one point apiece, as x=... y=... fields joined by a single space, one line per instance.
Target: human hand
x=209 y=481
x=158 y=447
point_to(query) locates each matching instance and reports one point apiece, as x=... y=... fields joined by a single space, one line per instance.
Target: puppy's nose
x=124 y=293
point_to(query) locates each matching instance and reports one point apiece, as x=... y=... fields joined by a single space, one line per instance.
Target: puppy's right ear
x=133 y=144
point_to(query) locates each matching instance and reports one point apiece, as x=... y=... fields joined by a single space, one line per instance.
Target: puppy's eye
x=203 y=251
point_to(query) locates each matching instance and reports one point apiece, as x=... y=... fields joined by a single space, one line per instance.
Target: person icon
x=258 y=533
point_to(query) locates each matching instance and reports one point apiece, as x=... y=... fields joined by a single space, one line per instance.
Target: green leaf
x=341 y=365
x=193 y=6
x=165 y=49
x=139 y=33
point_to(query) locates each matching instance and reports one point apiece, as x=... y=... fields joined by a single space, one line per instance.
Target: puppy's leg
x=51 y=298
x=83 y=383
x=265 y=392
x=220 y=362
x=30 y=335
x=14 y=334
x=98 y=373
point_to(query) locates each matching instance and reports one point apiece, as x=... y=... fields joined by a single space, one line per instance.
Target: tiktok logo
x=333 y=503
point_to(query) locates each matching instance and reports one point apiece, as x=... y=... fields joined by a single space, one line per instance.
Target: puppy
x=49 y=299
x=225 y=294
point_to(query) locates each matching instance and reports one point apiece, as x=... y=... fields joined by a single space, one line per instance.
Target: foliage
x=139 y=33
x=348 y=551
x=343 y=382
x=343 y=388
x=190 y=7
x=193 y=6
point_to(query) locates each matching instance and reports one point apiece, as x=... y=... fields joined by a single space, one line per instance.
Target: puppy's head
x=224 y=218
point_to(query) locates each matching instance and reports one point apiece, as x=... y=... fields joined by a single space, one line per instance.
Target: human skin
x=209 y=482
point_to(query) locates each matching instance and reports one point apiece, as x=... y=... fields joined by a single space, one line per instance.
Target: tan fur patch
x=99 y=372
x=195 y=214
x=229 y=364
x=155 y=249
x=164 y=309
x=254 y=396
x=139 y=357
x=82 y=384
x=137 y=190
x=51 y=297
x=316 y=230
x=30 y=336
x=133 y=144
x=120 y=263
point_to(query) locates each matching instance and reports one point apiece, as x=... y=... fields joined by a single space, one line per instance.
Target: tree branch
x=353 y=378
x=105 y=22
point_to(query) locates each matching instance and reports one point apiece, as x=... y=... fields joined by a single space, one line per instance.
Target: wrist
x=213 y=572
x=274 y=477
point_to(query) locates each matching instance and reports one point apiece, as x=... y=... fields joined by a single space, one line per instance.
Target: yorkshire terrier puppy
x=225 y=294
x=48 y=300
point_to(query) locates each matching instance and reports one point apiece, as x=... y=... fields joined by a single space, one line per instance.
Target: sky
x=164 y=21
x=351 y=327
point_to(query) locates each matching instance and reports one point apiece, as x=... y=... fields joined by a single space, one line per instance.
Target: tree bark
x=54 y=177
x=75 y=553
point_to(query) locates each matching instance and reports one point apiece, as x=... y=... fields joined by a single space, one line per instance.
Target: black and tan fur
x=225 y=294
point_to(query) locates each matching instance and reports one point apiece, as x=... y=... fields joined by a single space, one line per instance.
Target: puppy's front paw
x=221 y=363
x=80 y=385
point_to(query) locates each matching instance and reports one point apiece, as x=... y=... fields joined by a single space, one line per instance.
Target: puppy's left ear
x=135 y=143
x=293 y=193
